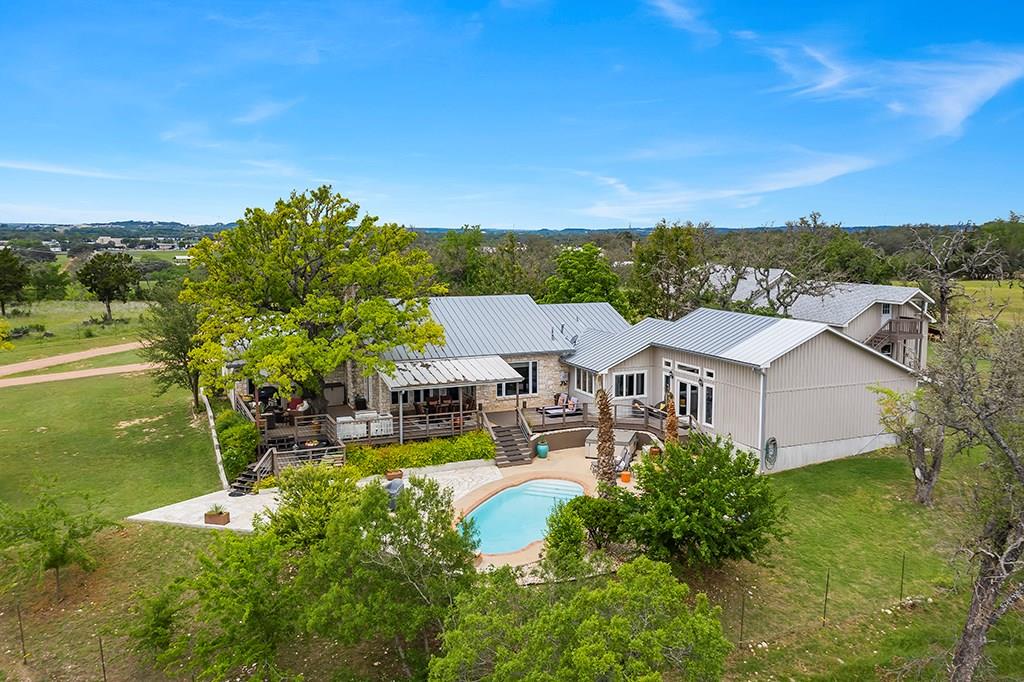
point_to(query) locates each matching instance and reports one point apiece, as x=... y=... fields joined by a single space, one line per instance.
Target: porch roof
x=450 y=372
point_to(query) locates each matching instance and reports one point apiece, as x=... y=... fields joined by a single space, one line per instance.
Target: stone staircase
x=512 y=447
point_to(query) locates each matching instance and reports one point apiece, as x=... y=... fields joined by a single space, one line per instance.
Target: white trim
x=704 y=404
x=634 y=373
x=577 y=371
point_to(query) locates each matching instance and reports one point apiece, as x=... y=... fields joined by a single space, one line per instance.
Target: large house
x=792 y=392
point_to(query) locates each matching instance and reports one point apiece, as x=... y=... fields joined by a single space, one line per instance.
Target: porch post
x=461 y=426
x=401 y=416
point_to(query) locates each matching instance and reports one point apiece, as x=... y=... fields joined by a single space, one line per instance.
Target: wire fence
x=752 y=616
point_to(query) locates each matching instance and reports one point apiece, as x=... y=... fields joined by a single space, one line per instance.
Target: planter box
x=392 y=475
x=217 y=519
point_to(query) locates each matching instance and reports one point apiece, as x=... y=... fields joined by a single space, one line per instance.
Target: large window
x=631 y=385
x=584 y=381
x=528 y=386
x=419 y=395
x=687 y=400
x=709 y=405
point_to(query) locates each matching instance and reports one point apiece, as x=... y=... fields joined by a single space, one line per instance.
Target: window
x=709 y=405
x=528 y=385
x=709 y=374
x=666 y=363
x=887 y=309
x=419 y=395
x=584 y=381
x=631 y=385
x=689 y=369
x=688 y=400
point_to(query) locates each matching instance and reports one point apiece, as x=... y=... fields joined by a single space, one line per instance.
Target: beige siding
x=864 y=326
x=736 y=390
x=819 y=392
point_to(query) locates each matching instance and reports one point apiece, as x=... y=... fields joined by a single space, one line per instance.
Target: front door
x=687 y=401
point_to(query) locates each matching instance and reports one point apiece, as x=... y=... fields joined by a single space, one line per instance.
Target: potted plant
x=654 y=451
x=542 y=447
x=217 y=515
x=393 y=474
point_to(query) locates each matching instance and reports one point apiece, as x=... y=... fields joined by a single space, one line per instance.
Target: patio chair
x=621 y=463
x=560 y=401
x=570 y=409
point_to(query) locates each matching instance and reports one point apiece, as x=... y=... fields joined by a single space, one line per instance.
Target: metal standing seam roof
x=753 y=340
x=488 y=369
x=490 y=325
x=577 y=318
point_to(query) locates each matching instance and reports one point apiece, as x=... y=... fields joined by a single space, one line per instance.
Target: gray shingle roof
x=747 y=339
x=509 y=325
x=848 y=300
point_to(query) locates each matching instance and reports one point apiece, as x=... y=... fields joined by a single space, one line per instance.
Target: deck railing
x=623 y=416
x=389 y=428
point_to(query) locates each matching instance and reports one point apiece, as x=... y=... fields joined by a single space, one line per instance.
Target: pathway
x=43 y=363
x=77 y=374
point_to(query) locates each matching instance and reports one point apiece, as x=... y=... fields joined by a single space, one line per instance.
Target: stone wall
x=549 y=383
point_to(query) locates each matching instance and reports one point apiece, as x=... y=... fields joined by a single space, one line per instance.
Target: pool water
x=517 y=516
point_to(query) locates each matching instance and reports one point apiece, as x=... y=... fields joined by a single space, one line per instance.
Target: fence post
x=103 y=662
x=824 y=610
x=743 y=610
x=21 y=632
x=903 y=572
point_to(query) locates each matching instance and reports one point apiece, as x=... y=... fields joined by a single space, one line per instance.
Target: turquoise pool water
x=517 y=516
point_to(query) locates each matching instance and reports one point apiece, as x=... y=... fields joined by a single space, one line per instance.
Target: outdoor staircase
x=512 y=447
x=243 y=484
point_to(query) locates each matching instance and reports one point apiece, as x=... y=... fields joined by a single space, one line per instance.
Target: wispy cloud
x=668 y=199
x=59 y=169
x=261 y=111
x=944 y=89
x=191 y=133
x=686 y=18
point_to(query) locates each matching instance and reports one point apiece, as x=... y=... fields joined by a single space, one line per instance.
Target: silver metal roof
x=747 y=339
x=576 y=318
x=490 y=325
x=489 y=369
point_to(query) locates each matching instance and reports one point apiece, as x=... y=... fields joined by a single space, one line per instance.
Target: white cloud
x=262 y=111
x=686 y=18
x=58 y=169
x=943 y=90
x=667 y=199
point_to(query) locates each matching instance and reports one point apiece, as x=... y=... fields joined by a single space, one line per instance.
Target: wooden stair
x=511 y=447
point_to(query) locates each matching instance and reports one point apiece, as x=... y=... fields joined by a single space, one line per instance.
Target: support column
x=461 y=423
x=401 y=416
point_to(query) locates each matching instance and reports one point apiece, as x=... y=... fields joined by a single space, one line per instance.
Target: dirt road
x=43 y=363
x=77 y=374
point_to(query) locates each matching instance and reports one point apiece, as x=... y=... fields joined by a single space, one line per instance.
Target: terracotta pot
x=655 y=451
x=392 y=475
x=625 y=476
x=221 y=519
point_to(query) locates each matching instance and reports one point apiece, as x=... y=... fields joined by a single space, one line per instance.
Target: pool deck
x=570 y=464
x=471 y=484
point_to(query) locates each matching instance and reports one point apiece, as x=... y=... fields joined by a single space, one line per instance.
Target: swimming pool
x=517 y=516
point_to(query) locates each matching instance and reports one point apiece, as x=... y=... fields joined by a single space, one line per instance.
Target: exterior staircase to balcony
x=511 y=446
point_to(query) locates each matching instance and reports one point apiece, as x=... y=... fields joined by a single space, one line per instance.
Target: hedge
x=238 y=440
x=369 y=461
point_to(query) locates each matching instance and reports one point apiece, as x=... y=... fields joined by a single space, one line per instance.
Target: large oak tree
x=299 y=291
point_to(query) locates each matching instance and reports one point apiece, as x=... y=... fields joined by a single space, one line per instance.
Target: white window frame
x=634 y=374
x=709 y=374
x=532 y=381
x=693 y=411
x=589 y=379
x=887 y=309
x=688 y=369
x=704 y=404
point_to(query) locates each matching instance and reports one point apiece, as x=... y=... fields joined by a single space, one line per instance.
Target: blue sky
x=525 y=113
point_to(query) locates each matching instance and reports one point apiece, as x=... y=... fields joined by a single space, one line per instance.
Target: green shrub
x=602 y=517
x=563 y=543
x=369 y=461
x=308 y=498
x=227 y=419
x=234 y=461
x=156 y=616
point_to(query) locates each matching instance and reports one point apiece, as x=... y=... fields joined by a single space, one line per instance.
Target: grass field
x=64 y=320
x=108 y=436
x=111 y=360
x=999 y=293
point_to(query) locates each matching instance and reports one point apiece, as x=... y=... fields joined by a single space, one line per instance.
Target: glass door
x=688 y=400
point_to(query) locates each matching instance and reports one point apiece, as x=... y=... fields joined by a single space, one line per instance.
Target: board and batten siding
x=736 y=390
x=865 y=325
x=818 y=403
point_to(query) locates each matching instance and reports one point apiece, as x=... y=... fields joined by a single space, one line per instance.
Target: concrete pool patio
x=471 y=484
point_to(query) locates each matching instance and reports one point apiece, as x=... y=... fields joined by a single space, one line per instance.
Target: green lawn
x=108 y=436
x=111 y=360
x=64 y=320
x=999 y=293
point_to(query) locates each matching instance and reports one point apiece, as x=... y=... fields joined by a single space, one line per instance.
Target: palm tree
x=671 y=421
x=605 y=442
